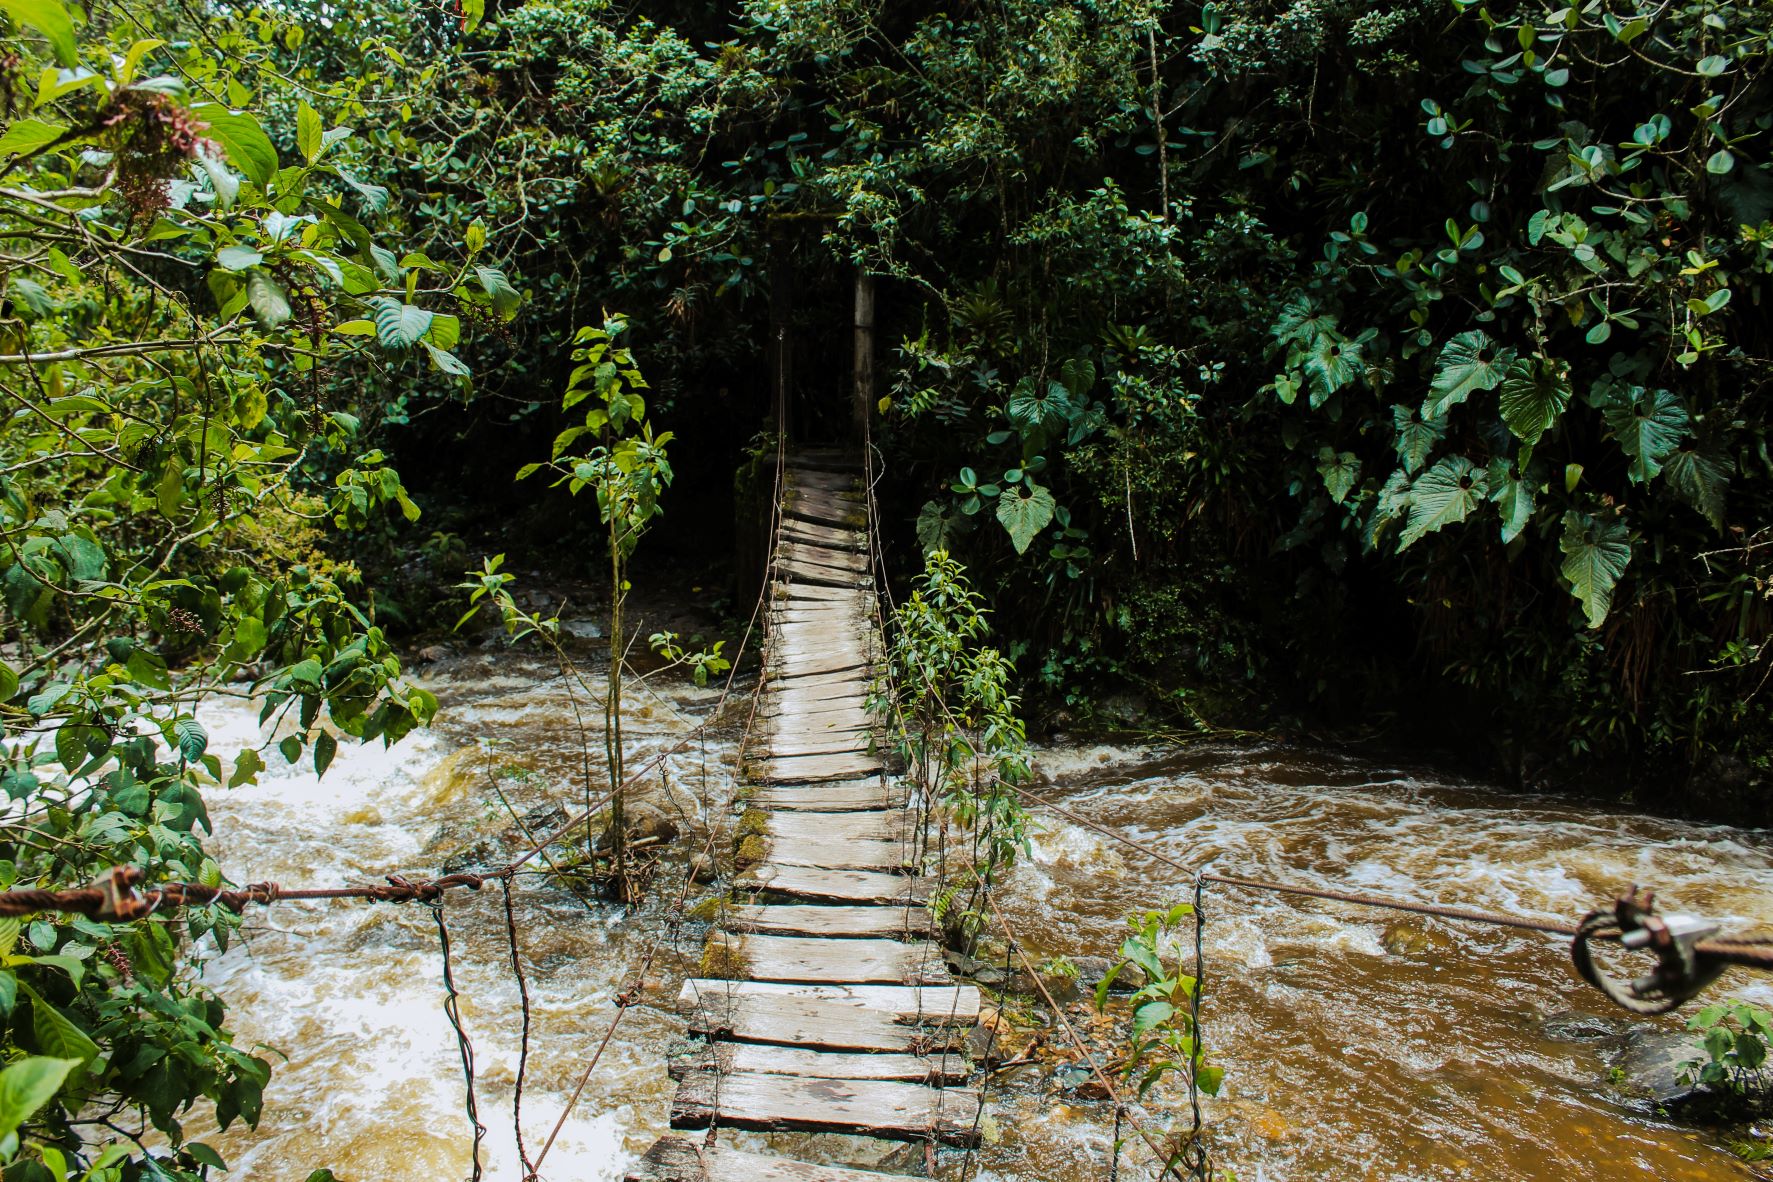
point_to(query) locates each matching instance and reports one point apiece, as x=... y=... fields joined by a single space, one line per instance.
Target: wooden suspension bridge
x=825 y=1005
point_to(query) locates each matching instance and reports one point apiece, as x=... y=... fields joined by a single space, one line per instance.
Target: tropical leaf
x=1468 y=363
x=57 y=1034
x=1416 y=436
x=938 y=526
x=51 y=18
x=1444 y=495
x=270 y=303
x=193 y=740
x=308 y=132
x=1649 y=425
x=29 y=135
x=1331 y=364
x=1700 y=476
x=27 y=1085
x=505 y=298
x=1035 y=405
x=1341 y=472
x=1596 y=553
x=448 y=362
x=398 y=325
x=1024 y=511
x=1533 y=396
x=1300 y=323
x=1513 y=498
x=247 y=146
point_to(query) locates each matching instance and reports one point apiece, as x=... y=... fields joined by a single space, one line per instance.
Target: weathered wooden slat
x=799 y=958
x=786 y=1103
x=817 y=830
x=811 y=769
x=830 y=1017
x=837 y=797
x=824 y=535
x=679 y=1159
x=795 y=920
x=780 y=746
x=854 y=854
x=818 y=576
x=802 y=595
x=833 y=886
x=942 y=1067
x=801 y=477
x=845 y=560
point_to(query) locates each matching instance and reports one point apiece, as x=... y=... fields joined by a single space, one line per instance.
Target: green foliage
x=1733 y=1037
x=1163 y=1041
x=195 y=277
x=960 y=731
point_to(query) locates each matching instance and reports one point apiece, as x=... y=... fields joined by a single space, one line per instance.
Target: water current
x=1358 y=1044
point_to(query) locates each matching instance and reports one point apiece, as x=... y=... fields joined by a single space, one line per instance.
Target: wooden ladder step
x=833 y=886
x=681 y=1159
x=860 y=1107
x=760 y=957
x=793 y=919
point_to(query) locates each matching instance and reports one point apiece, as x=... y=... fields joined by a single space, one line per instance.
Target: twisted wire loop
x=1683 y=967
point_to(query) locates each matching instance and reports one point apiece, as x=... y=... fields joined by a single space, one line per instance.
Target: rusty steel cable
x=523 y=1040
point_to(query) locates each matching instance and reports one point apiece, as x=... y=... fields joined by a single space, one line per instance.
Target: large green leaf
x=1444 y=495
x=1596 y=553
x=1700 y=476
x=1513 y=497
x=193 y=740
x=27 y=1085
x=1036 y=404
x=1649 y=425
x=1470 y=362
x=57 y=1034
x=505 y=298
x=1331 y=364
x=1341 y=472
x=399 y=325
x=247 y=146
x=1416 y=436
x=1024 y=516
x=938 y=525
x=28 y=135
x=51 y=18
x=270 y=303
x=1533 y=396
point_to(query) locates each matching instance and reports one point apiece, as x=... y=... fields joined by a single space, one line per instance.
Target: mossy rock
x=708 y=910
x=722 y=961
x=751 y=850
x=753 y=822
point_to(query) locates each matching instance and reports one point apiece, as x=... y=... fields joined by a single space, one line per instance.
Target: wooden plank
x=810 y=769
x=782 y=746
x=838 y=797
x=846 y=560
x=795 y=920
x=846 y=514
x=824 y=535
x=819 y=831
x=833 y=886
x=800 y=958
x=818 y=576
x=911 y=1018
x=851 y=855
x=763 y=1059
x=789 y=1104
x=680 y=1159
x=818 y=596
x=824 y=481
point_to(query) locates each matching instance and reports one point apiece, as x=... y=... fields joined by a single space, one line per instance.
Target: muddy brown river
x=1358 y=1044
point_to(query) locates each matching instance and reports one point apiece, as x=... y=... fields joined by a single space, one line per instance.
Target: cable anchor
x=1681 y=971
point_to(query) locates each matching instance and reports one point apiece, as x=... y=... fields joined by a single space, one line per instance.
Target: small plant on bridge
x=1734 y=1037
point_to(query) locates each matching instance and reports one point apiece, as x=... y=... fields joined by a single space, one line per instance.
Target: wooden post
x=864 y=369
